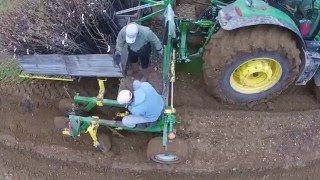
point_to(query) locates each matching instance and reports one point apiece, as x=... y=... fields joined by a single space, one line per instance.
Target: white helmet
x=131 y=33
x=124 y=97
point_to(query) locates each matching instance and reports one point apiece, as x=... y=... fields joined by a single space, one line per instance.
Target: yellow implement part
x=122 y=114
x=66 y=132
x=93 y=130
x=173 y=64
x=45 y=78
x=102 y=90
x=170 y=111
x=256 y=75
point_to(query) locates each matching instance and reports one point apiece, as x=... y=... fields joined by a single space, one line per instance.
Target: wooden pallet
x=91 y=65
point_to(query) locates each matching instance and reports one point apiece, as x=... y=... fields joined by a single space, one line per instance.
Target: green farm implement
x=252 y=51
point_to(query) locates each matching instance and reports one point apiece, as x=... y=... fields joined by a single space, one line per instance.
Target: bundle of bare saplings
x=60 y=26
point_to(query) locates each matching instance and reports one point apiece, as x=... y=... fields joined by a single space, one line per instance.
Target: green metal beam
x=91 y=102
x=117 y=124
x=215 y=2
x=184 y=29
x=149 y=1
x=150 y=15
x=167 y=2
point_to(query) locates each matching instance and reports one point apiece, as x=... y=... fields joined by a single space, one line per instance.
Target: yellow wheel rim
x=256 y=75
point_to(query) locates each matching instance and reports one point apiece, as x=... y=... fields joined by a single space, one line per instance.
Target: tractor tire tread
x=224 y=46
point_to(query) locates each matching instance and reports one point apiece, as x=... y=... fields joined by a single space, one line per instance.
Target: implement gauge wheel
x=177 y=151
x=250 y=65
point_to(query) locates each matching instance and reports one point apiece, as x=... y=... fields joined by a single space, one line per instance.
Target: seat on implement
x=91 y=65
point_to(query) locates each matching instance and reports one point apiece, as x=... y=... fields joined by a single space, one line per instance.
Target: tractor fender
x=244 y=13
x=239 y=14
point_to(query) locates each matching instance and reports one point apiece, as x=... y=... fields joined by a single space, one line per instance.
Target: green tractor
x=253 y=50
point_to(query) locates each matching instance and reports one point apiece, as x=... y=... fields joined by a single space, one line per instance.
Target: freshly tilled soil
x=274 y=140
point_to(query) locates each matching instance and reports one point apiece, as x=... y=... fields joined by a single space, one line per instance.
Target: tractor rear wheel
x=250 y=65
x=176 y=152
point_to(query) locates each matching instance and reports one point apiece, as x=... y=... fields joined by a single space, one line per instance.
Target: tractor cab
x=305 y=13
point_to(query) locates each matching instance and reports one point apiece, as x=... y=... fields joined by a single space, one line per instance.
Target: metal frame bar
x=115 y=124
x=137 y=8
x=150 y=15
x=184 y=27
x=149 y=1
x=183 y=51
x=45 y=78
x=91 y=102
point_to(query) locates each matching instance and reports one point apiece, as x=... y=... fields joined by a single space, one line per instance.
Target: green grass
x=9 y=69
x=4 y=4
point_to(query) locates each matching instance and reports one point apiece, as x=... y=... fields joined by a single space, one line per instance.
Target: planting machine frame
x=250 y=73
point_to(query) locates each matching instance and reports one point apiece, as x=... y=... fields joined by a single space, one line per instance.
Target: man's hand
x=122 y=114
x=117 y=59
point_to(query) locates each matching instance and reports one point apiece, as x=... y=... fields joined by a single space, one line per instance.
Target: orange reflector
x=238 y=10
x=171 y=135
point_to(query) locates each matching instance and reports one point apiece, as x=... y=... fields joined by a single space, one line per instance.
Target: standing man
x=139 y=39
x=144 y=103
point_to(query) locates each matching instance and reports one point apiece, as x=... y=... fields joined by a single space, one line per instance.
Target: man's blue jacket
x=147 y=102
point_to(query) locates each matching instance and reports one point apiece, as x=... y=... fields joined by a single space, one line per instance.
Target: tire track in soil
x=15 y=164
x=54 y=161
x=251 y=140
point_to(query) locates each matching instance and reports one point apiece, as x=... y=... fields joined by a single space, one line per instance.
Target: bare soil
x=275 y=140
